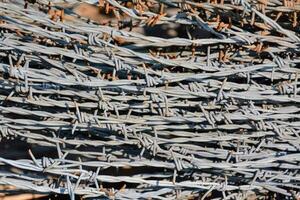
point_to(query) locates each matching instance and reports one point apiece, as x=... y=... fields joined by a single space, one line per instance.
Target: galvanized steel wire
x=128 y=115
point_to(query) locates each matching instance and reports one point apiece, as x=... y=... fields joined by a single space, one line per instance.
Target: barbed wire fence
x=107 y=111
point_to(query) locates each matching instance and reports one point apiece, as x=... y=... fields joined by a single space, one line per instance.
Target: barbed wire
x=119 y=112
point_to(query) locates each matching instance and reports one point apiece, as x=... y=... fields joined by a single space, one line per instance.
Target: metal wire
x=119 y=112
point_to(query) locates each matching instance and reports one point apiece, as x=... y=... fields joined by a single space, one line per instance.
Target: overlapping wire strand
x=109 y=112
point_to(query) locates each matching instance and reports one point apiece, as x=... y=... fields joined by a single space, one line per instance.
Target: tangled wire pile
x=200 y=102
